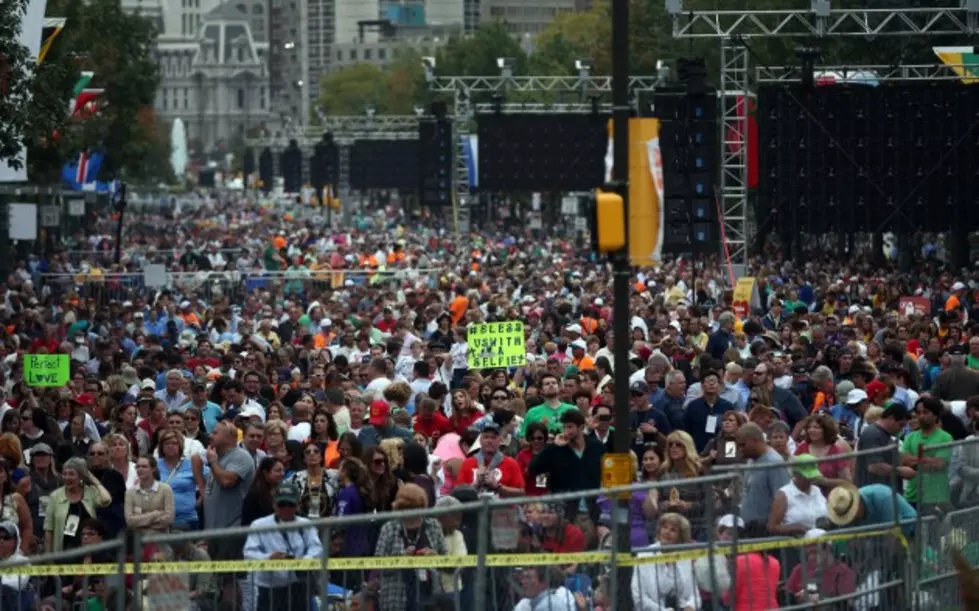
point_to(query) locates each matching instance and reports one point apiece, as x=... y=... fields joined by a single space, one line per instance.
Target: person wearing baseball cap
x=798 y=504
x=381 y=426
x=285 y=587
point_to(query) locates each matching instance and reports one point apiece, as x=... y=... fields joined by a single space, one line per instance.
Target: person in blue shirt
x=871 y=505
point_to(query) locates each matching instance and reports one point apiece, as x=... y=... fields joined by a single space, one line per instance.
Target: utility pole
x=121 y=209
x=621 y=273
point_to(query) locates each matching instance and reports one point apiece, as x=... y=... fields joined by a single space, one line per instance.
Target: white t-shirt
x=300 y=432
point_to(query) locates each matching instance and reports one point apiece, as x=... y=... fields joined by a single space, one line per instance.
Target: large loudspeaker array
x=857 y=158
x=324 y=165
x=266 y=169
x=384 y=164
x=291 y=166
x=542 y=152
x=437 y=157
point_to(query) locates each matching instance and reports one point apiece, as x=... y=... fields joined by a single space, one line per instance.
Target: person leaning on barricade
x=280 y=589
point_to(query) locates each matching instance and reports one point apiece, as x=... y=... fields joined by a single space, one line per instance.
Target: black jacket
x=568 y=473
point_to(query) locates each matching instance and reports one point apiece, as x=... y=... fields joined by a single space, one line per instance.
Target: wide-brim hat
x=843 y=504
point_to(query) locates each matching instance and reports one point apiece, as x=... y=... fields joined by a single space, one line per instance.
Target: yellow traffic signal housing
x=609 y=222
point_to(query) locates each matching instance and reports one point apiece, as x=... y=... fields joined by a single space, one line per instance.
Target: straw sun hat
x=843 y=504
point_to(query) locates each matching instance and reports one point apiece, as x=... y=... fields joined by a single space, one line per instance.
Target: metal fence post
x=482 y=551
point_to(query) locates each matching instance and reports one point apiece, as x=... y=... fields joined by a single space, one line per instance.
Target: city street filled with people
x=287 y=369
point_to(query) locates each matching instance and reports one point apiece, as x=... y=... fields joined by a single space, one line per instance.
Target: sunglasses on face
x=605 y=417
x=500 y=397
x=674 y=444
x=96 y=453
x=380 y=461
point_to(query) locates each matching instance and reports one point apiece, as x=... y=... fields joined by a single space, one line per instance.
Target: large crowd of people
x=305 y=397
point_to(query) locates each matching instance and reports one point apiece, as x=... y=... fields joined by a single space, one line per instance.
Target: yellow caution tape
x=372 y=563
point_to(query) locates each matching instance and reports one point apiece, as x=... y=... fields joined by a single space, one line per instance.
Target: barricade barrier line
x=429 y=562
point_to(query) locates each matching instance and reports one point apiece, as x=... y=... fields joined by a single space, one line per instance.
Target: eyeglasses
x=500 y=397
x=96 y=453
x=312 y=452
x=7 y=538
x=605 y=418
x=380 y=461
x=674 y=444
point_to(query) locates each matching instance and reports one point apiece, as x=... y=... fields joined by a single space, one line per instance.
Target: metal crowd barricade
x=233 y=286
x=509 y=557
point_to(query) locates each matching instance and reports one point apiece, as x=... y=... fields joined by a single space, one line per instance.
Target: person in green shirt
x=549 y=412
x=932 y=465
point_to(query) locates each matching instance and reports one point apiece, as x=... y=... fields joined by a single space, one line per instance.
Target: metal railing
x=231 y=286
x=556 y=546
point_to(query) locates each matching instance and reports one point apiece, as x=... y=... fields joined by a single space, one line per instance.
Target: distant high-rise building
x=526 y=17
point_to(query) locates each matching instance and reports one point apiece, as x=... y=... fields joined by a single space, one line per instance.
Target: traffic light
x=266 y=170
x=605 y=211
x=437 y=157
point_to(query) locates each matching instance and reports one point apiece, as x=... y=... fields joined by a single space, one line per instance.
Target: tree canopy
x=117 y=47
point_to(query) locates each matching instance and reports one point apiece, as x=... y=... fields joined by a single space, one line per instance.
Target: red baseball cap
x=379 y=413
x=875 y=388
x=85 y=399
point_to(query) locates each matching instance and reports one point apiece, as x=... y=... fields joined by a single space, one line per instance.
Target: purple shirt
x=637 y=519
x=356 y=536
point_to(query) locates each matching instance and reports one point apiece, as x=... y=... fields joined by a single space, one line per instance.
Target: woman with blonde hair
x=410 y=588
x=654 y=585
x=682 y=463
x=121 y=458
x=276 y=435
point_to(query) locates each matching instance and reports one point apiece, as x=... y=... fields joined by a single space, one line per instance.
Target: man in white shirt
x=288 y=589
x=377 y=370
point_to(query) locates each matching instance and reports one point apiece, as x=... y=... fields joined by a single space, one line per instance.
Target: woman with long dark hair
x=325 y=435
x=384 y=482
x=259 y=501
x=354 y=499
x=317 y=485
x=415 y=470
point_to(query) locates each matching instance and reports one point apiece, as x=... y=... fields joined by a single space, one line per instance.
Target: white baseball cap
x=855 y=396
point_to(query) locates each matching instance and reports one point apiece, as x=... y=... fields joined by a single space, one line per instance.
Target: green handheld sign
x=46 y=370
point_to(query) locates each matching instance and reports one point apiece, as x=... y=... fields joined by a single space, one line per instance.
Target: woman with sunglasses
x=316 y=484
x=682 y=463
x=325 y=435
x=259 y=500
x=537 y=436
x=384 y=483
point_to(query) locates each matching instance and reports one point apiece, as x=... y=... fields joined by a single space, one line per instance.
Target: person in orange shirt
x=459 y=305
x=953 y=305
x=579 y=355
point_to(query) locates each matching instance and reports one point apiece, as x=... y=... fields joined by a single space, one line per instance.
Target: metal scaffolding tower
x=464 y=88
x=732 y=28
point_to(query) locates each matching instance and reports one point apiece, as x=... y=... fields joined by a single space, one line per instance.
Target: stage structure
x=735 y=28
x=464 y=89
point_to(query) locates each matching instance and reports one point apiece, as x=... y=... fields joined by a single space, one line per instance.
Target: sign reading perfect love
x=496 y=345
x=47 y=369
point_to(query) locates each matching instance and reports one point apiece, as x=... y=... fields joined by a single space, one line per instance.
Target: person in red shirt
x=429 y=422
x=490 y=471
x=560 y=536
x=387 y=321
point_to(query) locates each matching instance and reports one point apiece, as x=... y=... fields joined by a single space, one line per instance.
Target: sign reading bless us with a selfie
x=495 y=345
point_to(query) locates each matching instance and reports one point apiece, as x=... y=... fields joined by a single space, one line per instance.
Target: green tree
x=351 y=90
x=476 y=55
x=29 y=107
x=118 y=47
x=395 y=89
